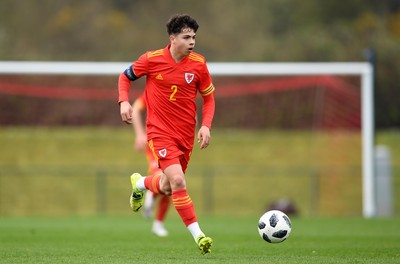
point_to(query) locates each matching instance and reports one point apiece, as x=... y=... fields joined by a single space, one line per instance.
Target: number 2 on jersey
x=174 y=89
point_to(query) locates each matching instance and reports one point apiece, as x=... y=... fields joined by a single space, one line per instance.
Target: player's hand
x=126 y=112
x=203 y=137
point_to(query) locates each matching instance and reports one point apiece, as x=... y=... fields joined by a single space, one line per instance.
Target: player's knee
x=178 y=182
x=166 y=189
x=165 y=186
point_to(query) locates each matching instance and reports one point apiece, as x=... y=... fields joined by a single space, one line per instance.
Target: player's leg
x=172 y=181
x=139 y=185
x=180 y=199
x=151 y=182
x=184 y=206
x=150 y=196
x=163 y=207
x=148 y=205
x=158 y=227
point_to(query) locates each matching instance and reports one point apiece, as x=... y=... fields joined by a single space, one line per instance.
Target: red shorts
x=167 y=152
x=153 y=164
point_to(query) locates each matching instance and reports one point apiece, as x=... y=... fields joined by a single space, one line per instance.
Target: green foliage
x=229 y=31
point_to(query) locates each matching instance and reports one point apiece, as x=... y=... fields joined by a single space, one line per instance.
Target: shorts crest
x=163 y=152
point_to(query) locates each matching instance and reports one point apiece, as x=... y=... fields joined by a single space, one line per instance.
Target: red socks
x=162 y=207
x=152 y=183
x=184 y=206
x=180 y=199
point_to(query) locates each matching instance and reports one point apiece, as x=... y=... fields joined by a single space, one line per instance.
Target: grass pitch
x=127 y=239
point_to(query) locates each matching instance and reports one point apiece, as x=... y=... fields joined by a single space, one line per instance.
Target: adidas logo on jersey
x=159 y=77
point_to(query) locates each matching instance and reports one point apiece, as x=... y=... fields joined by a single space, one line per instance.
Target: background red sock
x=163 y=207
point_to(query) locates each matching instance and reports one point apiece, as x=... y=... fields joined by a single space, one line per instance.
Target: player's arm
x=138 y=108
x=124 y=84
x=204 y=134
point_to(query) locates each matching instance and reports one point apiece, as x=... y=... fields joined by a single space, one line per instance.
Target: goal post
x=363 y=70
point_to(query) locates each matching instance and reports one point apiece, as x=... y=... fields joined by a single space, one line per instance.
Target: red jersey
x=170 y=93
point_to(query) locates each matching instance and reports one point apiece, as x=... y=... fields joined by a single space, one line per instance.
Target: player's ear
x=171 y=38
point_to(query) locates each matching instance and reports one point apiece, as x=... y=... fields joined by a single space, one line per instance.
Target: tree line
x=257 y=30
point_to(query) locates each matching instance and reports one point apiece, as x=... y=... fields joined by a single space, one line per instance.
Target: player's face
x=184 y=42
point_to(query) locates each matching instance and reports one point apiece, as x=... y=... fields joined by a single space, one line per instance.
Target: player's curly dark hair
x=179 y=22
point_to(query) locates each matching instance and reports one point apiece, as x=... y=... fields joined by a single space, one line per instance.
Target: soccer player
x=158 y=228
x=174 y=76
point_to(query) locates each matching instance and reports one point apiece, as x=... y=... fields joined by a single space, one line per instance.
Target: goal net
x=301 y=132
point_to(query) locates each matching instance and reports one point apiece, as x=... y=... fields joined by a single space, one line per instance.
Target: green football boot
x=204 y=244
x=137 y=196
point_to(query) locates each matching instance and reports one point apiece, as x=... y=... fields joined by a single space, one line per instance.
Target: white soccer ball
x=274 y=226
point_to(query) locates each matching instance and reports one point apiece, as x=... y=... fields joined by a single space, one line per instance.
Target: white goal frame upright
x=362 y=69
